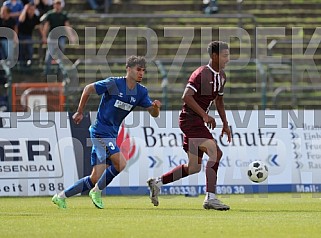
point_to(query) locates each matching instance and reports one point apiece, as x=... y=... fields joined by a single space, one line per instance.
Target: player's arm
x=219 y=103
x=89 y=89
x=154 y=108
x=190 y=101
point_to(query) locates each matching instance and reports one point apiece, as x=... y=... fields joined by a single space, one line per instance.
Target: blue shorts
x=102 y=149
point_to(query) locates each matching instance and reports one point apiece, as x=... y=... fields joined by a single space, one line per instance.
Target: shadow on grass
x=15 y=214
x=275 y=211
x=157 y=209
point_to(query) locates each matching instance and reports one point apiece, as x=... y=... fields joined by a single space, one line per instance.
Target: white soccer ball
x=257 y=171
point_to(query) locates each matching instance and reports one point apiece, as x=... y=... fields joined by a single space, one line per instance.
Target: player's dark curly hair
x=136 y=60
x=216 y=47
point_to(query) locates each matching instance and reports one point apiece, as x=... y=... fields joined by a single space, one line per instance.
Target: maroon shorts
x=193 y=137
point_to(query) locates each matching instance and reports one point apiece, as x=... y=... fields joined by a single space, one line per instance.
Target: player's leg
x=85 y=183
x=215 y=154
x=117 y=164
x=82 y=185
x=155 y=184
x=180 y=171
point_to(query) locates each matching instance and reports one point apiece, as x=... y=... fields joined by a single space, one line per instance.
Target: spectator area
x=289 y=81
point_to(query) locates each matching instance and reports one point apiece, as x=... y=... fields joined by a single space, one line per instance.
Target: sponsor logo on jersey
x=123 y=105
x=132 y=99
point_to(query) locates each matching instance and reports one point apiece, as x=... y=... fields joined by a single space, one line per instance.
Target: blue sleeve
x=145 y=100
x=106 y=85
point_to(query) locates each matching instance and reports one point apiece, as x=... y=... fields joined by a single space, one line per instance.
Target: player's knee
x=219 y=154
x=121 y=165
x=94 y=178
x=194 y=169
x=215 y=153
x=210 y=164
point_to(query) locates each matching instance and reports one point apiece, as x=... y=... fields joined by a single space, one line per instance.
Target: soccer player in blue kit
x=120 y=95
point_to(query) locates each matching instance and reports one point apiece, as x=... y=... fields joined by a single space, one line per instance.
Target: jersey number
x=111 y=145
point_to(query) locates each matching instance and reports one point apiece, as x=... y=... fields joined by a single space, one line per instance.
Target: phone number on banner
x=194 y=190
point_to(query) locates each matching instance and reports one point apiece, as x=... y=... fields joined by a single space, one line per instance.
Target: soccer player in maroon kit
x=204 y=87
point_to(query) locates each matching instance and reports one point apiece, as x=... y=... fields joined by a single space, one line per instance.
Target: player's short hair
x=136 y=60
x=216 y=47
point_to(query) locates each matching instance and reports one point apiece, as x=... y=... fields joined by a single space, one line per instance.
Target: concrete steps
x=161 y=17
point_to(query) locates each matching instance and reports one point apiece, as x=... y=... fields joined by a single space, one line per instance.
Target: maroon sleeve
x=194 y=81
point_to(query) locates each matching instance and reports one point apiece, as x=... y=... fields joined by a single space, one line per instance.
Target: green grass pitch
x=258 y=215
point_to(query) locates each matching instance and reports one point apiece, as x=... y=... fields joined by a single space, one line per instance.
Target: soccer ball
x=257 y=171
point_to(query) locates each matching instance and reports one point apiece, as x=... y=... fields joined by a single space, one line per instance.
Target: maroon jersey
x=207 y=84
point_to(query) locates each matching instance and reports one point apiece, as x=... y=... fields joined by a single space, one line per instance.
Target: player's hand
x=154 y=109
x=226 y=130
x=210 y=121
x=157 y=104
x=77 y=117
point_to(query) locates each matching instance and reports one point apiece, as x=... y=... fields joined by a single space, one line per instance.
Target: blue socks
x=85 y=183
x=80 y=186
x=108 y=176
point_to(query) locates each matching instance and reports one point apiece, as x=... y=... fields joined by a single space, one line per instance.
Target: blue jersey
x=116 y=103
